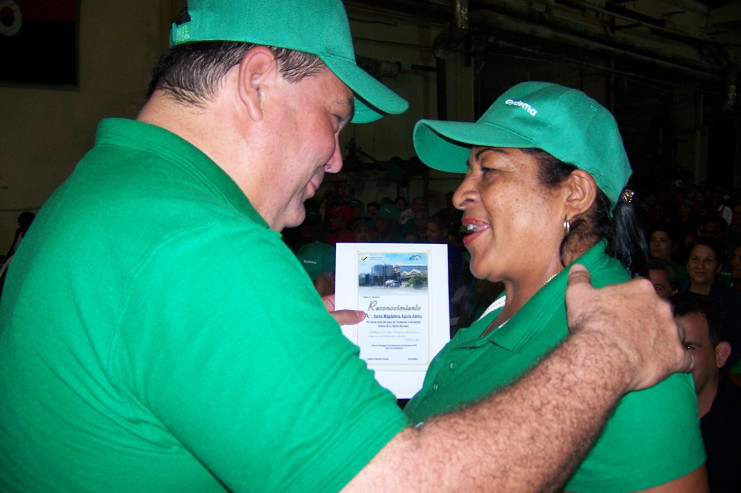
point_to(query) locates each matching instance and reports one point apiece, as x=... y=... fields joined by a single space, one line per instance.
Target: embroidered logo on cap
x=523 y=105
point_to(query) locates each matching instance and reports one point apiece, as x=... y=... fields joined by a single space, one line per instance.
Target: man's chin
x=295 y=218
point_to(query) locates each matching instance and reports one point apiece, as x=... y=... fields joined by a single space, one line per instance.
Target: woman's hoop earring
x=566 y=227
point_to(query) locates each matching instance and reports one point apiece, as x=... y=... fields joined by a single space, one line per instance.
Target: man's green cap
x=388 y=211
x=317 y=258
x=564 y=122
x=319 y=27
x=355 y=203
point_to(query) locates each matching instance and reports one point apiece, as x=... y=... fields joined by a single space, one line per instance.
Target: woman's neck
x=518 y=295
x=520 y=290
x=703 y=288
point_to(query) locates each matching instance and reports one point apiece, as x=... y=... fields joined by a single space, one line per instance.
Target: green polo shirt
x=653 y=436
x=156 y=336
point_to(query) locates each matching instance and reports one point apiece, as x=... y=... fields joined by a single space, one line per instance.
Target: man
x=712 y=227
x=180 y=346
x=387 y=224
x=339 y=218
x=364 y=229
x=718 y=398
x=318 y=259
x=662 y=275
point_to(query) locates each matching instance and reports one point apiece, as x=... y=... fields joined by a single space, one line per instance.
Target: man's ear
x=581 y=192
x=257 y=71
x=722 y=352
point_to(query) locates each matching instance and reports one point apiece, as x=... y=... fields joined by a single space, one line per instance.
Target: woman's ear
x=581 y=193
x=257 y=72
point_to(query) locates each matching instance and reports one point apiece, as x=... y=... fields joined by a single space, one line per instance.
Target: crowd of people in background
x=693 y=241
x=693 y=235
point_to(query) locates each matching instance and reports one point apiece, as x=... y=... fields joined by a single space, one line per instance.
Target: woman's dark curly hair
x=625 y=239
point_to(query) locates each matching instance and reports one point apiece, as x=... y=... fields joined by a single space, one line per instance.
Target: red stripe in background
x=48 y=10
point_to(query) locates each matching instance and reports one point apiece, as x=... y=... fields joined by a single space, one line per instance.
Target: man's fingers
x=348 y=317
x=343 y=317
x=328 y=302
x=579 y=274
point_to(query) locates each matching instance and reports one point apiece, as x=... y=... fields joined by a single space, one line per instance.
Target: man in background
x=663 y=276
x=318 y=259
x=718 y=398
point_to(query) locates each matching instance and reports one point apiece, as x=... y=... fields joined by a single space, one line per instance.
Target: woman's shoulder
x=603 y=268
x=656 y=426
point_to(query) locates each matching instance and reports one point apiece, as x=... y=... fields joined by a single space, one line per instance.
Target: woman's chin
x=477 y=272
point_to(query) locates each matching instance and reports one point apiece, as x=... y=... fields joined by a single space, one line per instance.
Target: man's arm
x=531 y=436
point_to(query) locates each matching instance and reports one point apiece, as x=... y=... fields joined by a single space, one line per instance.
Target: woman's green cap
x=563 y=122
x=319 y=27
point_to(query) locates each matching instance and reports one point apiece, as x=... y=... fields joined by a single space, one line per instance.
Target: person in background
x=318 y=259
x=703 y=266
x=339 y=218
x=419 y=203
x=358 y=209
x=736 y=268
x=663 y=243
x=190 y=352
x=371 y=208
x=364 y=230
x=437 y=232
x=405 y=214
x=544 y=188
x=25 y=219
x=24 y=222
x=734 y=229
x=387 y=224
x=662 y=275
x=416 y=229
x=718 y=398
x=712 y=226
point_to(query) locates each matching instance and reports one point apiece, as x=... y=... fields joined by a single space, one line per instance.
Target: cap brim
x=373 y=100
x=445 y=146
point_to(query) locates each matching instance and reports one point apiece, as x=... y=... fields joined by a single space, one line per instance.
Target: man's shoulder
x=727 y=399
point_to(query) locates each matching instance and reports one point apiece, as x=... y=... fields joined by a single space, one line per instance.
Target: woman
x=662 y=244
x=530 y=215
x=704 y=263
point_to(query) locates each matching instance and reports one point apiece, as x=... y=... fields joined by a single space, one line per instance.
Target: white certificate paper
x=403 y=289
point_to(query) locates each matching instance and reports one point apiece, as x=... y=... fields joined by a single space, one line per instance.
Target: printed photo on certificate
x=403 y=289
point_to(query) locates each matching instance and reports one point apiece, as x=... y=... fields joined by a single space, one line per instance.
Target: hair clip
x=627 y=196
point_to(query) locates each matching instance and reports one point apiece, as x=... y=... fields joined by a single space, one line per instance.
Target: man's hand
x=632 y=325
x=343 y=317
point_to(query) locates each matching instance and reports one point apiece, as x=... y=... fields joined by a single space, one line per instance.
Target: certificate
x=403 y=289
